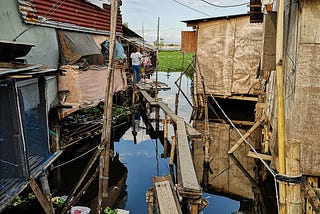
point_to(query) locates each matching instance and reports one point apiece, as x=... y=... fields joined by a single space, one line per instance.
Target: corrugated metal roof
x=194 y=21
x=71 y=14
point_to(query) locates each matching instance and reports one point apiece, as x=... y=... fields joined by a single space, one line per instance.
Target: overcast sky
x=146 y=12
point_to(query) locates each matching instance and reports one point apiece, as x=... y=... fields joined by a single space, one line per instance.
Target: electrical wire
x=225 y=6
x=277 y=177
x=52 y=10
x=191 y=8
x=74 y=159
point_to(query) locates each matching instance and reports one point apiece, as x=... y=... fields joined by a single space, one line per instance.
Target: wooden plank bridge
x=187 y=183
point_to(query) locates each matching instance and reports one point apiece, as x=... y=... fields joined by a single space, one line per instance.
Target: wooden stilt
x=194 y=209
x=312 y=199
x=293 y=169
x=150 y=200
x=173 y=148
x=85 y=187
x=157 y=118
x=46 y=205
x=165 y=137
x=93 y=159
x=45 y=186
x=148 y=115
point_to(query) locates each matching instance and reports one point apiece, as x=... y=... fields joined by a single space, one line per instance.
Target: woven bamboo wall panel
x=228 y=55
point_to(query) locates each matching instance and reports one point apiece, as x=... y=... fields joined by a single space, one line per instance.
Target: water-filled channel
x=143 y=158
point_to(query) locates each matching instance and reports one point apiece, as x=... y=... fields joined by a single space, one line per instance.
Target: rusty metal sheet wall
x=188 y=41
x=72 y=14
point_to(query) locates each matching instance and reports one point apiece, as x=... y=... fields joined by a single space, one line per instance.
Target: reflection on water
x=143 y=159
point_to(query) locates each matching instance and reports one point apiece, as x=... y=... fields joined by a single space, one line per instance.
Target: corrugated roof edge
x=215 y=18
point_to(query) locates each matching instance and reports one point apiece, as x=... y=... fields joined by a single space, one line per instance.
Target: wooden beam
x=262 y=156
x=150 y=99
x=46 y=205
x=189 y=181
x=237 y=97
x=246 y=135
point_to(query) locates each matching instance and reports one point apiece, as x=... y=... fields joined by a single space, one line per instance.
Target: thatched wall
x=228 y=56
x=302 y=84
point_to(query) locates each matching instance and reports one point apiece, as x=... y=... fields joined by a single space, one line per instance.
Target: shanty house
x=66 y=34
x=227 y=59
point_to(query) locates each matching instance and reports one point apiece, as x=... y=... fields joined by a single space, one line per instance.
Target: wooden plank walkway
x=188 y=177
x=152 y=85
x=192 y=132
x=167 y=200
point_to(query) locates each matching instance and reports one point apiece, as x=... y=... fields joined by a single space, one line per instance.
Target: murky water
x=144 y=161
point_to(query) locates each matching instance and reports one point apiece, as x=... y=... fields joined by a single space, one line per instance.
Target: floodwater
x=143 y=158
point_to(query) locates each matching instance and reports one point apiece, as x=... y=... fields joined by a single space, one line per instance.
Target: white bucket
x=80 y=210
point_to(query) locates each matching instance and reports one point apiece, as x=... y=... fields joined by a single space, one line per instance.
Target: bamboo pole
x=293 y=169
x=108 y=107
x=280 y=105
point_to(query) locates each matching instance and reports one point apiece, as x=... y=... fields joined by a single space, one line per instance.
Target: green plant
x=171 y=61
x=108 y=210
x=31 y=196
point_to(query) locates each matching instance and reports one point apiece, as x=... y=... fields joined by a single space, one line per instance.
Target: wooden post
x=157 y=63
x=280 y=105
x=165 y=137
x=148 y=115
x=173 y=148
x=157 y=118
x=45 y=186
x=293 y=169
x=47 y=207
x=194 y=209
x=312 y=202
x=150 y=200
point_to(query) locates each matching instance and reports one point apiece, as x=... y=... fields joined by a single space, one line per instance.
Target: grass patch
x=171 y=61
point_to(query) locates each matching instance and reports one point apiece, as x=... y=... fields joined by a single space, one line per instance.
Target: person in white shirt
x=136 y=58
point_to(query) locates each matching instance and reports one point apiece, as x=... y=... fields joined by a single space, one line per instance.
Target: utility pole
x=107 y=112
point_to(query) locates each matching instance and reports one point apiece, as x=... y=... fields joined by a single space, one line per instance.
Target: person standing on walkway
x=136 y=58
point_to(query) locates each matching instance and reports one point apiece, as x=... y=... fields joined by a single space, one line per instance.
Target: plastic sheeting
x=75 y=45
x=86 y=88
x=228 y=56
